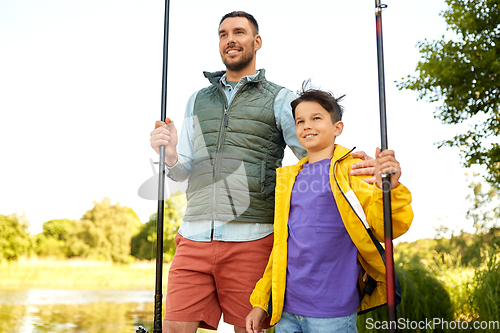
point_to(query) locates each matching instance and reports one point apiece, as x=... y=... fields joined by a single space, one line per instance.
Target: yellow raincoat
x=360 y=206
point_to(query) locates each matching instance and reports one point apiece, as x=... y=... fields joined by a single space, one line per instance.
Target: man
x=233 y=139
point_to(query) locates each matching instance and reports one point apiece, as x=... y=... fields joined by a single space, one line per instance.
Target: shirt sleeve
x=262 y=291
x=181 y=170
x=286 y=123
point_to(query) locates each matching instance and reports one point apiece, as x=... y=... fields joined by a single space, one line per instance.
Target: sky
x=80 y=90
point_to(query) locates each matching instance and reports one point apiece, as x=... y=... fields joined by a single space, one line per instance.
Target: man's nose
x=230 y=38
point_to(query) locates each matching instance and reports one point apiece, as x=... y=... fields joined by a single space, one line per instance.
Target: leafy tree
x=485 y=208
x=463 y=74
x=144 y=243
x=104 y=232
x=14 y=237
x=59 y=229
x=53 y=240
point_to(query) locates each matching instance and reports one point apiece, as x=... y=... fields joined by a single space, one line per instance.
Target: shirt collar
x=244 y=79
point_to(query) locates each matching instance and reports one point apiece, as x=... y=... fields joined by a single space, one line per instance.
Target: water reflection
x=71 y=311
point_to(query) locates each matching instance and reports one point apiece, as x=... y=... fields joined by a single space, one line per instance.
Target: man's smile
x=232 y=51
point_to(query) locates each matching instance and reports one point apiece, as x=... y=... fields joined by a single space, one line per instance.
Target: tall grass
x=485 y=296
x=78 y=273
x=423 y=297
x=455 y=278
x=440 y=286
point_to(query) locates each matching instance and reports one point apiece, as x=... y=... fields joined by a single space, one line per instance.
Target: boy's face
x=314 y=128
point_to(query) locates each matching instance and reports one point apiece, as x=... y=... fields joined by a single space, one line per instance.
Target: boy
x=323 y=253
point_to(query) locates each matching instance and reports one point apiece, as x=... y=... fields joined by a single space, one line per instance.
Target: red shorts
x=207 y=279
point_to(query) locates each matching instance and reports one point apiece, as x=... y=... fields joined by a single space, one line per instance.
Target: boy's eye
x=300 y=122
x=315 y=118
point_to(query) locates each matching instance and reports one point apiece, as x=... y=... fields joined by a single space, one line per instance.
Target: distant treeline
x=105 y=232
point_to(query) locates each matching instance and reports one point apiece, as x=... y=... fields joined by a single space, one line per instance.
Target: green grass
x=484 y=298
x=68 y=274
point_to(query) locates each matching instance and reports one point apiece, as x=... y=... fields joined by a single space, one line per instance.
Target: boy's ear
x=338 y=128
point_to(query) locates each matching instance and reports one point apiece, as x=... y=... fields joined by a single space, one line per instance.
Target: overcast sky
x=80 y=90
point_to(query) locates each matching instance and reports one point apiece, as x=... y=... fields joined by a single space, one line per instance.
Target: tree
x=485 y=209
x=105 y=232
x=14 y=237
x=464 y=75
x=144 y=243
x=53 y=240
x=59 y=229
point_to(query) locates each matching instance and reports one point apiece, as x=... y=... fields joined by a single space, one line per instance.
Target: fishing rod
x=386 y=178
x=161 y=189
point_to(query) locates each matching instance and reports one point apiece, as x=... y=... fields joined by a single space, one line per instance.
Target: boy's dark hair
x=249 y=17
x=324 y=98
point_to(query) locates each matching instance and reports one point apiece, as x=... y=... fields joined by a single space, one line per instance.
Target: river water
x=71 y=311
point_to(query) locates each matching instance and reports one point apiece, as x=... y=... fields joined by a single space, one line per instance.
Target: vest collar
x=215 y=77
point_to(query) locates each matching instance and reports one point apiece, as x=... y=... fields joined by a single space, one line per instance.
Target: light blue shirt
x=230 y=231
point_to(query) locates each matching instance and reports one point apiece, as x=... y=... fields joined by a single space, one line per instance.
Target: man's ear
x=257 y=42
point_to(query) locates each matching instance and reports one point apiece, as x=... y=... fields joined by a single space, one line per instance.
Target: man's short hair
x=322 y=97
x=249 y=17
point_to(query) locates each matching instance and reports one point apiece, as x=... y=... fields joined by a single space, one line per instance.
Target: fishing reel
x=141 y=329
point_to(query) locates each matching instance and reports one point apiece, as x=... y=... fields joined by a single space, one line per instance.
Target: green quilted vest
x=237 y=148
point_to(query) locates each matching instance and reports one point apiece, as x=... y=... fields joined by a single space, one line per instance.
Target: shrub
x=485 y=298
x=423 y=297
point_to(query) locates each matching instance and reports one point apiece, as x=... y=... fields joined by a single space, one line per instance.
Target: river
x=71 y=311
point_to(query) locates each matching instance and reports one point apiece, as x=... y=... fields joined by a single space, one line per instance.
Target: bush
x=485 y=298
x=423 y=297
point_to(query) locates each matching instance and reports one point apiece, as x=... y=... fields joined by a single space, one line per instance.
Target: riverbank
x=78 y=274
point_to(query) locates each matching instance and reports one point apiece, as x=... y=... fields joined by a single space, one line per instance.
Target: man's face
x=237 y=43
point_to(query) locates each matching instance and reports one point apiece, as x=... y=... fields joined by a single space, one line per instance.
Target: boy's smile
x=315 y=130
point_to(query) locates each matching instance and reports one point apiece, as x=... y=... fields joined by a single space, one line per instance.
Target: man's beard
x=242 y=63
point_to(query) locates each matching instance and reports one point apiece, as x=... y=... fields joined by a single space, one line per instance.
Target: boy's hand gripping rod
x=386 y=179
